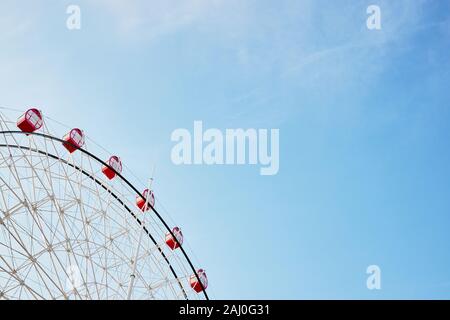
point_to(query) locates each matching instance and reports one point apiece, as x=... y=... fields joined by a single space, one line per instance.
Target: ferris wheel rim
x=93 y=156
x=111 y=192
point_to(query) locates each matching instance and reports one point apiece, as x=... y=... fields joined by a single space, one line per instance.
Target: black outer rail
x=123 y=179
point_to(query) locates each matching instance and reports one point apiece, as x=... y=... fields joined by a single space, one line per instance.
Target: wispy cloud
x=327 y=60
x=16 y=21
x=153 y=18
x=303 y=44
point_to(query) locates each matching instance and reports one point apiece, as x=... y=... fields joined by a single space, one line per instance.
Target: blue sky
x=363 y=118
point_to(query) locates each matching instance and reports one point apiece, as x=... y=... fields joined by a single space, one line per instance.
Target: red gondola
x=195 y=284
x=116 y=165
x=141 y=203
x=171 y=242
x=30 y=121
x=74 y=140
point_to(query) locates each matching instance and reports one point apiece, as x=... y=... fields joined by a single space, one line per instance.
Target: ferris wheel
x=73 y=227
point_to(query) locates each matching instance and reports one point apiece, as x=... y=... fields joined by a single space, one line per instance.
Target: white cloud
x=304 y=44
x=15 y=20
x=332 y=53
x=152 y=18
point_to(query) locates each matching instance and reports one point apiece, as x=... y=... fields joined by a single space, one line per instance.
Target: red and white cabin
x=74 y=140
x=30 y=121
x=195 y=284
x=114 y=163
x=141 y=202
x=171 y=242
